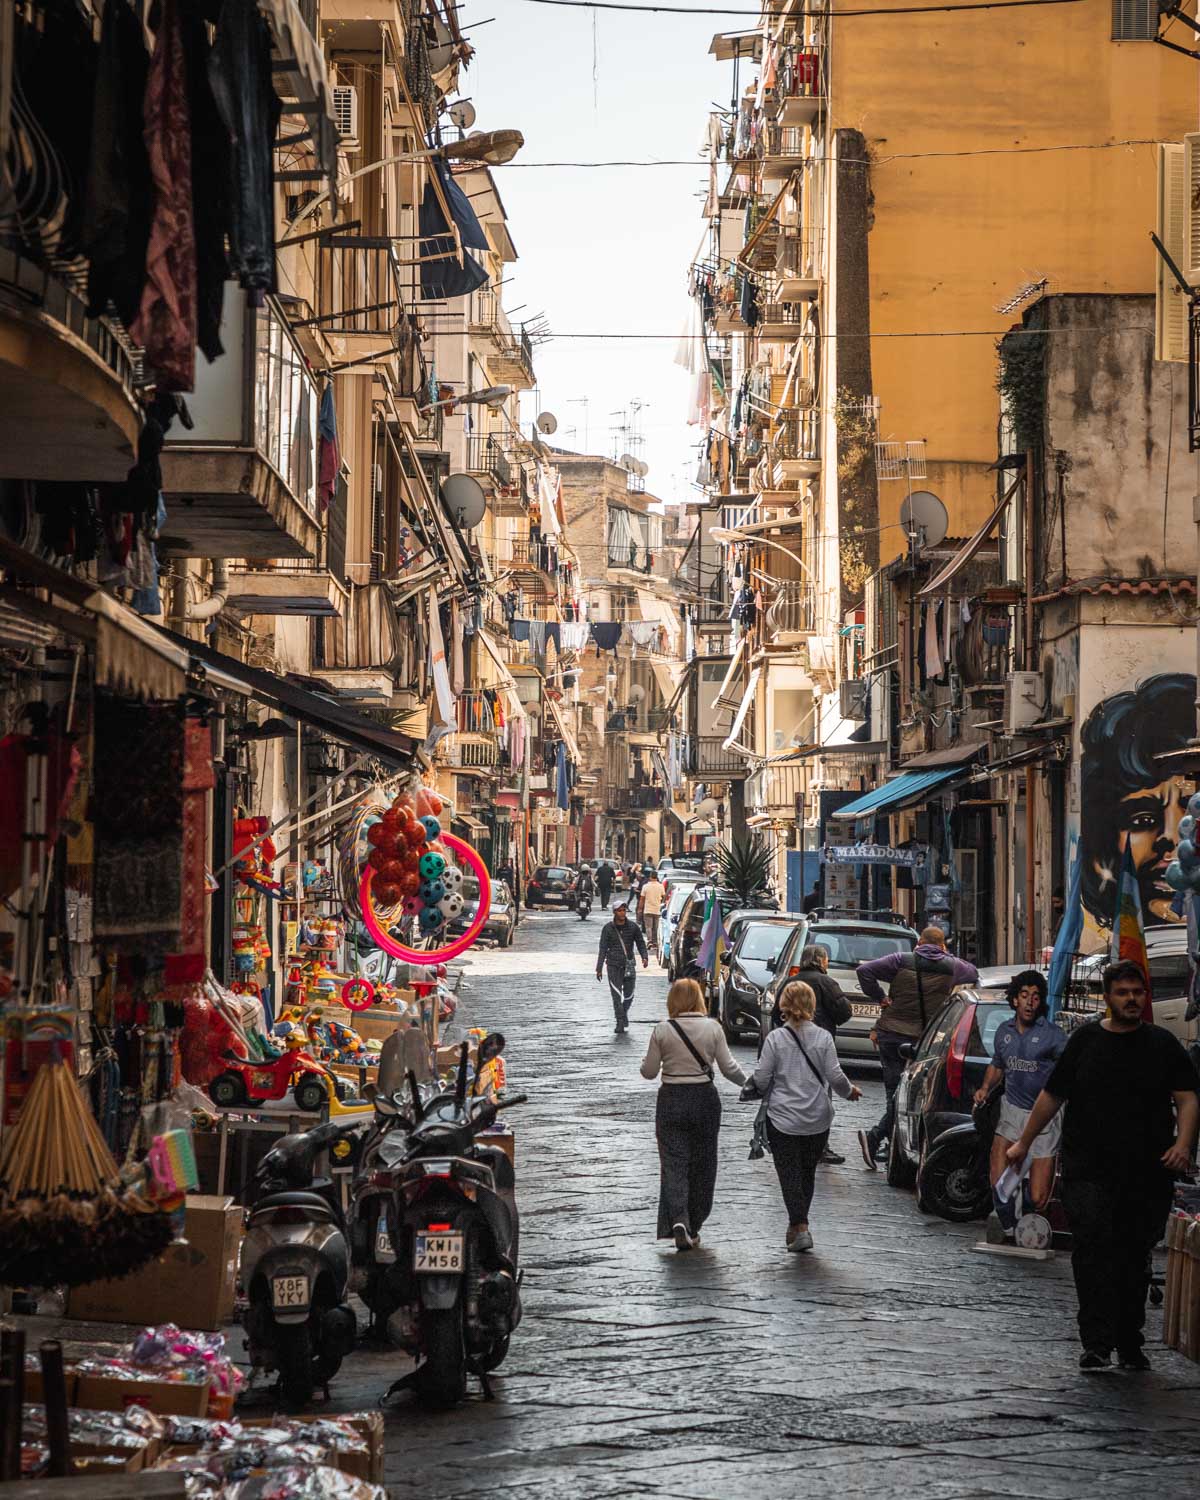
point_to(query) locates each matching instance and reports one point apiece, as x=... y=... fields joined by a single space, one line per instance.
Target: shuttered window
x=1134 y=20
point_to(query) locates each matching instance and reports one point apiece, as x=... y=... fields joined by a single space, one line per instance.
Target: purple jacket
x=882 y=971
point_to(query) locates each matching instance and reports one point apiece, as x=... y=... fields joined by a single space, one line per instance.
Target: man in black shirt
x=620 y=942
x=1121 y=1148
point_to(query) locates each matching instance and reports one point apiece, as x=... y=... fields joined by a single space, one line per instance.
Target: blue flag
x=1069 y=933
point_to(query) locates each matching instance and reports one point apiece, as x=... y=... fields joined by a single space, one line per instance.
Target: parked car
x=677 y=894
x=945 y=1067
x=551 y=885
x=685 y=938
x=678 y=863
x=501 y=924
x=850 y=939
x=759 y=941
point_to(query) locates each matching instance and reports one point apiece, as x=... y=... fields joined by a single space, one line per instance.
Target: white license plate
x=289 y=1291
x=870 y=1012
x=438 y=1253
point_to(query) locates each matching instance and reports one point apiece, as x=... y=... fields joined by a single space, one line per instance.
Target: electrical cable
x=848 y=161
x=764 y=13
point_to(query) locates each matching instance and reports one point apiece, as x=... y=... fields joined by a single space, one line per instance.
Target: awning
x=472 y=824
x=724 y=698
x=843 y=747
x=953 y=755
x=901 y=791
x=969 y=548
x=325 y=714
x=506 y=677
x=561 y=720
x=743 y=709
x=727 y=45
x=300 y=74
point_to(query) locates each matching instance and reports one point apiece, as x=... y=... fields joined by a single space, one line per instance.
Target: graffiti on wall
x=1128 y=798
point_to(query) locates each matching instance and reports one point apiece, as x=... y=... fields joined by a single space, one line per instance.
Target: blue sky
x=605 y=249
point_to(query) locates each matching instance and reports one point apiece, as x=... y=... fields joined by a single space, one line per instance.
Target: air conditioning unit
x=1022 y=700
x=853 y=695
x=345 y=115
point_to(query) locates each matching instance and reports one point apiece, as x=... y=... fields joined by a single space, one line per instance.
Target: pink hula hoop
x=383 y=940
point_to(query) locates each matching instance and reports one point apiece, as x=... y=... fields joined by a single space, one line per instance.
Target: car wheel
x=900 y=1171
x=954 y=1184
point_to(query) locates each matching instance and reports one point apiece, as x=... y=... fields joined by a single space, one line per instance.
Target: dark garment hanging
x=606 y=634
x=553 y=633
x=748 y=301
x=56 y=65
x=446 y=278
x=210 y=181
x=239 y=71
x=118 y=199
x=166 y=321
x=518 y=629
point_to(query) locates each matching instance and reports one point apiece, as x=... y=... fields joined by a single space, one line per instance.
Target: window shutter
x=1190 y=264
x=1170 y=305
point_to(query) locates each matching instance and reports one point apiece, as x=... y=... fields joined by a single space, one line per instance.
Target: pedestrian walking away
x=1023 y=1056
x=796 y=1071
x=833 y=1009
x=650 y=905
x=687 y=1116
x=605 y=877
x=620 y=941
x=919 y=984
x=1122 y=1147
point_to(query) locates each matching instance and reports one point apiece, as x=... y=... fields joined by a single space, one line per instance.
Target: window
x=1134 y=20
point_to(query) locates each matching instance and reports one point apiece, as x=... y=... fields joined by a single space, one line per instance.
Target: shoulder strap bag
x=920 y=993
x=816 y=1072
x=705 y=1068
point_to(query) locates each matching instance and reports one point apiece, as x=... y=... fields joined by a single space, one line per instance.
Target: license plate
x=871 y=1012
x=289 y=1291
x=438 y=1253
x=383 y=1241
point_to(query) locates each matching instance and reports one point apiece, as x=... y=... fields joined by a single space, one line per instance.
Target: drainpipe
x=184 y=612
x=1030 y=666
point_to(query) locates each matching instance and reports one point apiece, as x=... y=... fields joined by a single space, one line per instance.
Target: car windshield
x=763 y=940
x=679 y=895
x=552 y=872
x=470 y=888
x=849 y=948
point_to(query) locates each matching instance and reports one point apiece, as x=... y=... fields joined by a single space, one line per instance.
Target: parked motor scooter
x=583 y=906
x=295 y=1264
x=435 y=1228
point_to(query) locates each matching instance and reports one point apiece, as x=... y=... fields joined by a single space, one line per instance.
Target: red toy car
x=252 y=1082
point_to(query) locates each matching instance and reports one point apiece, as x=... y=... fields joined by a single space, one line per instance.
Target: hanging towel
x=330 y=457
x=644 y=633
x=933 y=655
x=437 y=663
x=562 y=788
x=573 y=637
x=947 y=622
x=457 y=671
x=606 y=634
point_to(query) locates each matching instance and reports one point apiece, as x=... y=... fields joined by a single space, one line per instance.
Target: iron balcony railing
x=799 y=76
x=792 y=611
x=782 y=143
x=799 y=253
x=791 y=316
x=358 y=286
x=486 y=455
x=774 y=790
x=705 y=755
x=798 y=434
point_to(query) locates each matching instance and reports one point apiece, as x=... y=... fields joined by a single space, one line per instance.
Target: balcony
x=774 y=791
x=486 y=457
x=762 y=254
x=359 y=295
x=783 y=322
x=792 y=613
x=798 y=265
x=286 y=591
x=510 y=356
x=635 y=799
x=799 y=91
x=242 y=483
x=796 y=446
x=783 y=150
x=705 y=756
x=468 y=751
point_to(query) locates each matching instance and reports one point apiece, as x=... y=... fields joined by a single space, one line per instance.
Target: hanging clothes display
x=606 y=634
x=210 y=181
x=166 y=322
x=446 y=277
x=437 y=662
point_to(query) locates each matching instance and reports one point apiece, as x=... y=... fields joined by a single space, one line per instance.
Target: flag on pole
x=1067 y=941
x=714 y=940
x=1129 y=933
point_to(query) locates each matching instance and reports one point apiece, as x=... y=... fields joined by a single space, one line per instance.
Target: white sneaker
x=683 y=1240
x=802 y=1241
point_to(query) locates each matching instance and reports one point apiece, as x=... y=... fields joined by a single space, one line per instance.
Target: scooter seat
x=295 y=1200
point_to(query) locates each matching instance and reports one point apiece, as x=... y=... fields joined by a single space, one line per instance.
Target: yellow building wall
x=954 y=236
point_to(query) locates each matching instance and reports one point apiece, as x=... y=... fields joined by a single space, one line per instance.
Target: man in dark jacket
x=919 y=984
x=833 y=1009
x=620 y=942
x=605 y=876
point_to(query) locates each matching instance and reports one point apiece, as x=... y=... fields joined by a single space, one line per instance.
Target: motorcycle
x=295 y=1265
x=435 y=1233
x=583 y=905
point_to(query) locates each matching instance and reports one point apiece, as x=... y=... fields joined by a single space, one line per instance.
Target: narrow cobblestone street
x=892 y=1361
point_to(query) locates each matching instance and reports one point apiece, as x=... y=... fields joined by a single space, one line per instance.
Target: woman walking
x=795 y=1072
x=688 y=1117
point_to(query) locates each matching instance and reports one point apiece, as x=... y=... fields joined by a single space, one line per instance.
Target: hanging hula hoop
x=358 y=994
x=430 y=956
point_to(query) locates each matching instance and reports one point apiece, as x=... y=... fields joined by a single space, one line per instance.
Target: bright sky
x=604 y=249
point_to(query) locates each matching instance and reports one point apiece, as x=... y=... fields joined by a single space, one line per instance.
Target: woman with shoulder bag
x=797 y=1068
x=688 y=1114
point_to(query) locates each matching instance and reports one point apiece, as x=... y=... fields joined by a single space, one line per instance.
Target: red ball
x=414 y=835
x=391 y=819
x=392 y=871
x=378 y=858
x=385 y=894
x=377 y=833
x=410 y=882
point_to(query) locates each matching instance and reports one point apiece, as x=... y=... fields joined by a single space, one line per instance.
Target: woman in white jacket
x=795 y=1073
x=688 y=1117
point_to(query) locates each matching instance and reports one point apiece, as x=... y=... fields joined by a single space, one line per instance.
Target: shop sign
x=875 y=854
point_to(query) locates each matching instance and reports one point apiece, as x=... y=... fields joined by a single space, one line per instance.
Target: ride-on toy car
x=245 y=1082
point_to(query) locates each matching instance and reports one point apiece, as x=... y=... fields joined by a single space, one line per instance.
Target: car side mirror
x=907 y=1050
x=772 y=965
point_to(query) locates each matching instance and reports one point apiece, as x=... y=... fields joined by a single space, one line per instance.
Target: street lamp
x=492 y=396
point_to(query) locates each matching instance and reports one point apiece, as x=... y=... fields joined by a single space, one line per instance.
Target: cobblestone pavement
x=892 y=1361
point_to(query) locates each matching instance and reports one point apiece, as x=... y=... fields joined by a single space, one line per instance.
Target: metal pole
x=1030 y=666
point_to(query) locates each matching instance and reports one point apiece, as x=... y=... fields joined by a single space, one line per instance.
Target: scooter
x=583 y=906
x=295 y=1264
x=436 y=1223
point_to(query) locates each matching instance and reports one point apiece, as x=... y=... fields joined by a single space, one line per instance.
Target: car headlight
x=741 y=984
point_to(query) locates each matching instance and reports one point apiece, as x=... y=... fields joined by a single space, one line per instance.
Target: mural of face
x=1125 y=798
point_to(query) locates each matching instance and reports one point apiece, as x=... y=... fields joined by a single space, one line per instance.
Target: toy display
x=251 y=1083
x=431 y=918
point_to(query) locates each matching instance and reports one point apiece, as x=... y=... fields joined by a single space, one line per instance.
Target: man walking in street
x=919 y=984
x=1121 y=1148
x=650 y=905
x=620 y=941
x=604 y=882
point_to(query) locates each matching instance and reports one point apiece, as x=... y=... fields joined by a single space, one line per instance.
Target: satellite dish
x=463 y=114
x=547 y=422
x=629 y=463
x=640 y=468
x=924 y=514
x=636 y=693
x=463 y=497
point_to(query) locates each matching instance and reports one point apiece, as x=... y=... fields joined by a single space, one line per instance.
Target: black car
x=501 y=924
x=945 y=1067
x=551 y=885
x=758 y=943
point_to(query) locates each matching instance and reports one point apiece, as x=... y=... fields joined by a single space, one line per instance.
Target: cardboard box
x=191 y=1284
x=370 y=1425
x=166 y=1397
x=34 y=1394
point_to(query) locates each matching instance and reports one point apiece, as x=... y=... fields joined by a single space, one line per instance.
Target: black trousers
x=620 y=987
x=796 y=1158
x=687 y=1122
x=892 y=1066
x=1115 y=1226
